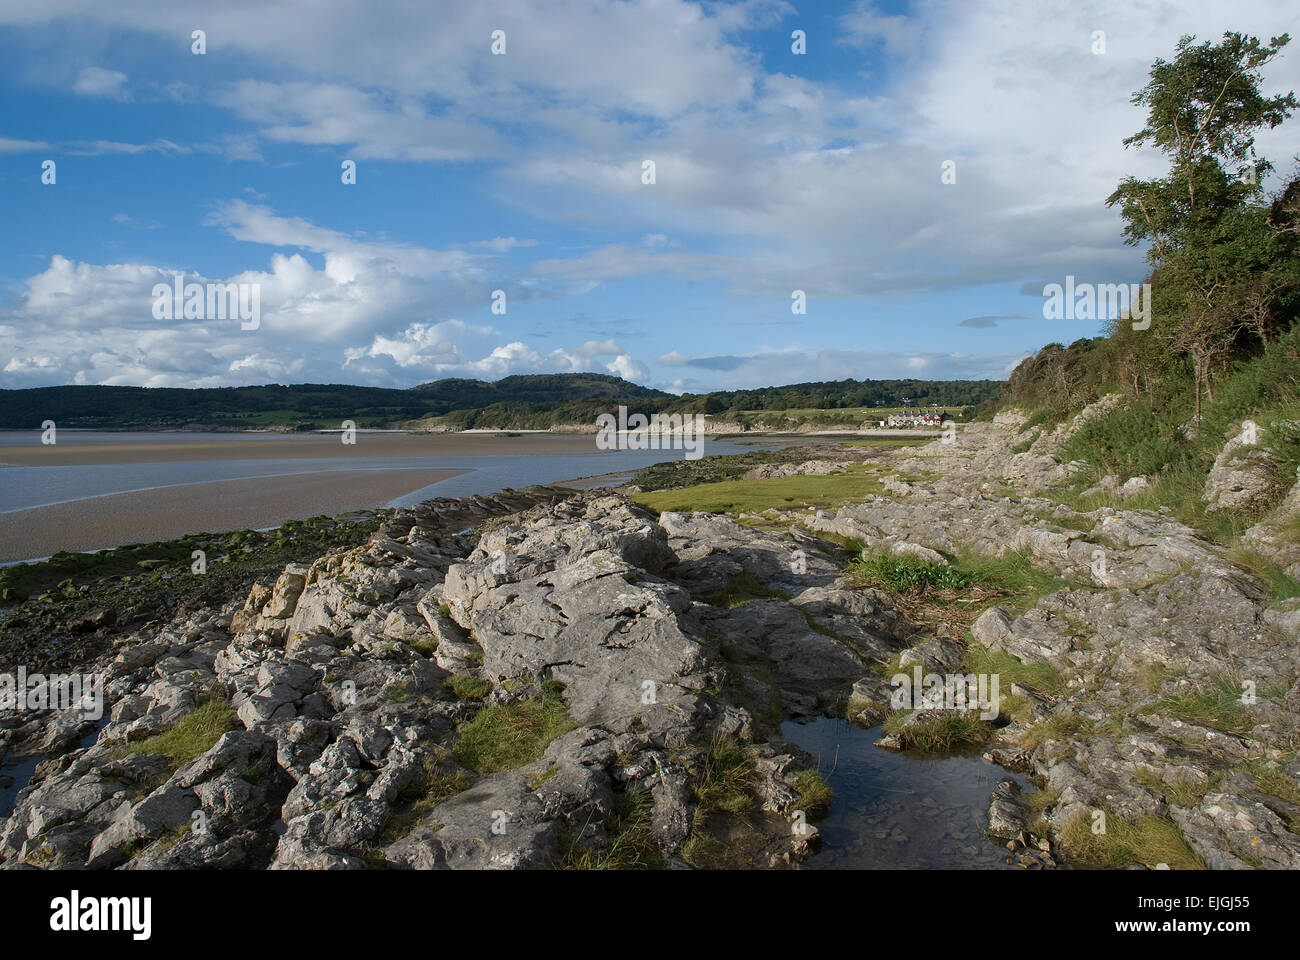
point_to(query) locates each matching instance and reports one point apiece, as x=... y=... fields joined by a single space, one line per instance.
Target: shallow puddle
x=899 y=810
x=16 y=773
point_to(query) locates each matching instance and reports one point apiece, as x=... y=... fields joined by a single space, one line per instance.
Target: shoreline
x=108 y=521
x=110 y=447
x=213 y=506
x=94 y=448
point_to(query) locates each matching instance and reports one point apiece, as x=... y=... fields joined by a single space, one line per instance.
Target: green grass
x=167 y=841
x=193 y=736
x=767 y=712
x=942 y=733
x=1055 y=726
x=702 y=850
x=906 y=573
x=1273 y=781
x=1041 y=800
x=723 y=787
x=1024 y=445
x=439 y=782
x=535 y=780
x=815 y=794
x=506 y=736
x=726 y=781
x=887 y=442
x=1216 y=705
x=1011 y=573
x=1150 y=841
x=1144 y=436
x=465 y=687
x=1043 y=677
x=780 y=493
x=1277 y=783
x=1151 y=677
x=1288 y=531
x=1274 y=578
x=1039 y=418
x=851 y=544
x=426 y=647
x=929 y=593
x=632 y=845
x=1181 y=793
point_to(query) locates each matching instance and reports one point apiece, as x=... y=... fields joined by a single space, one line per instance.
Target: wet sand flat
x=76 y=448
x=213 y=507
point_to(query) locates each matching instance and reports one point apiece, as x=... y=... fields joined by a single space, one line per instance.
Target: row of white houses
x=929 y=419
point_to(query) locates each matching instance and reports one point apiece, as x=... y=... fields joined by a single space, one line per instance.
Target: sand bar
x=76 y=448
x=216 y=506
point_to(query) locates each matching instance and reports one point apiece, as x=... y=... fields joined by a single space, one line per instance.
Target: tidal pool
x=899 y=810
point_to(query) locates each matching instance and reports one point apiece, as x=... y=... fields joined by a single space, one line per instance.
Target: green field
x=886 y=442
x=781 y=493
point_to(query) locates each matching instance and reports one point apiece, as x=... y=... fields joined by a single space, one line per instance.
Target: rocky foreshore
x=1176 y=693
x=548 y=678
x=349 y=683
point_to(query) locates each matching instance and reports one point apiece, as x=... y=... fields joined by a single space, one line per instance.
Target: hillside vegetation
x=304 y=406
x=537 y=402
x=1219 y=358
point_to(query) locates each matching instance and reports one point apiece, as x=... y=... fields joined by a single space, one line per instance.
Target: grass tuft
x=1043 y=677
x=193 y=736
x=440 y=781
x=632 y=846
x=906 y=573
x=943 y=732
x=815 y=794
x=1150 y=841
x=1181 y=793
x=1216 y=704
x=465 y=687
x=506 y=736
x=726 y=782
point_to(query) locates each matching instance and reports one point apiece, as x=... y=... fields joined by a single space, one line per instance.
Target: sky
x=525 y=172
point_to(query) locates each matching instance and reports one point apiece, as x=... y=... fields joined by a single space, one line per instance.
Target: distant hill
x=520 y=402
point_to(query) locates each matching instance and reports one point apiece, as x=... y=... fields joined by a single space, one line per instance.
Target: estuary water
x=24 y=486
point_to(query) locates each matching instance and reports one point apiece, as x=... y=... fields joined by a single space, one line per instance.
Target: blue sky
x=522 y=172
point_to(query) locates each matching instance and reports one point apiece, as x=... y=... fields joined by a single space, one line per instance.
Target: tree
x=1211 y=236
x=1203 y=110
x=1205 y=335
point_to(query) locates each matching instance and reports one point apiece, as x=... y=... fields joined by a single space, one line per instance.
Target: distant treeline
x=521 y=402
x=838 y=394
